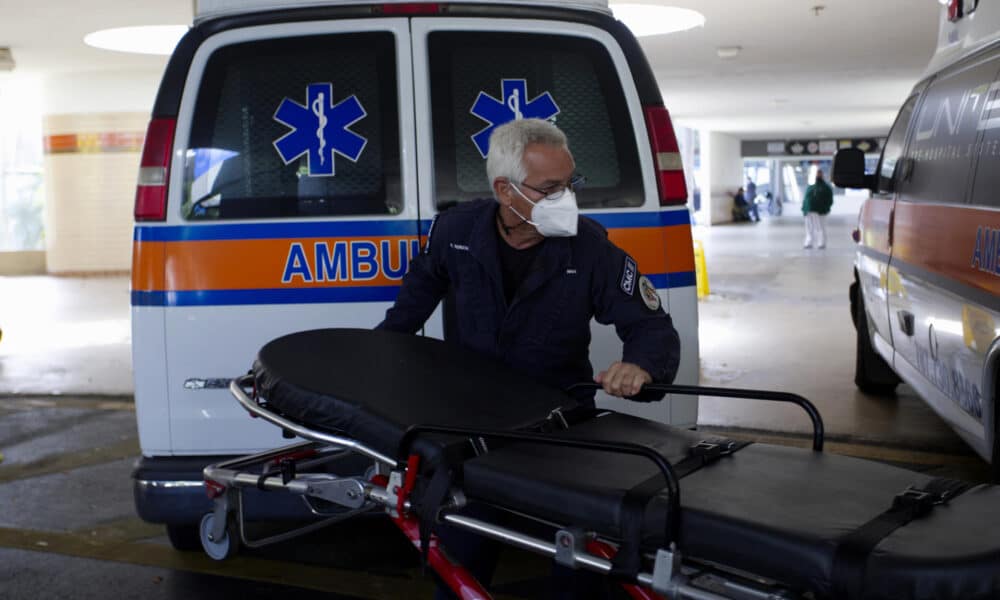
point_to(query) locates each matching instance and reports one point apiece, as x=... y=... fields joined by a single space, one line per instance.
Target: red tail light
x=154 y=171
x=411 y=8
x=666 y=156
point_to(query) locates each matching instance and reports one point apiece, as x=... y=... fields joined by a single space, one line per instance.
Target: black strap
x=628 y=561
x=851 y=557
x=430 y=504
x=428 y=499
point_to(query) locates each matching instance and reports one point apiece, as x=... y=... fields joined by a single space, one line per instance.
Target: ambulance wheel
x=219 y=549
x=872 y=374
x=184 y=537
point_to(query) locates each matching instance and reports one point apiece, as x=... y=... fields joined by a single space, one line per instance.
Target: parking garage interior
x=763 y=90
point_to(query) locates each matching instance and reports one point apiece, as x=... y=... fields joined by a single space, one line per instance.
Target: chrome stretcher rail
x=237 y=389
x=697 y=390
x=514 y=538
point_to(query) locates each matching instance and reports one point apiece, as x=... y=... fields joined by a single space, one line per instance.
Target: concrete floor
x=777 y=318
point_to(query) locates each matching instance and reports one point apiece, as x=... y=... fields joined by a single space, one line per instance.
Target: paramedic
x=525 y=274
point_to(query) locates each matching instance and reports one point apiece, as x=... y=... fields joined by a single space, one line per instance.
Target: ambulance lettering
x=355 y=260
x=950 y=381
x=514 y=105
x=986 y=254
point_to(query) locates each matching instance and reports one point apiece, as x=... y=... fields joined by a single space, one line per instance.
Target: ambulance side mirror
x=849 y=170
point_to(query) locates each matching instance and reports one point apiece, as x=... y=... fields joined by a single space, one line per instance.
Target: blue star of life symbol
x=320 y=129
x=514 y=105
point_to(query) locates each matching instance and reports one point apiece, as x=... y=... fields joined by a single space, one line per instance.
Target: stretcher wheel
x=219 y=549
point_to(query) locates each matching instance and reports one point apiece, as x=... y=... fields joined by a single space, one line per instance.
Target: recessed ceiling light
x=649 y=19
x=147 y=39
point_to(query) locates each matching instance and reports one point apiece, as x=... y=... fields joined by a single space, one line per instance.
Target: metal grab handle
x=697 y=390
x=673 y=485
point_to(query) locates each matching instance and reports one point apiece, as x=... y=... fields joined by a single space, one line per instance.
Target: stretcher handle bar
x=697 y=390
x=244 y=461
x=589 y=561
x=236 y=388
x=673 y=486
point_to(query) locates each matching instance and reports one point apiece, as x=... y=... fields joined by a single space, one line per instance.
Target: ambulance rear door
x=473 y=74
x=292 y=206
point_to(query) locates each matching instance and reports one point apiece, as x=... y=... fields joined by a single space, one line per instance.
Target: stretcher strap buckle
x=919 y=501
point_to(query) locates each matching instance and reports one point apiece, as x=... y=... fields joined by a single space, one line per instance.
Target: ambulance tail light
x=666 y=157
x=154 y=169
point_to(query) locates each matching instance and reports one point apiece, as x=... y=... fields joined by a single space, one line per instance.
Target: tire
x=184 y=537
x=220 y=549
x=872 y=374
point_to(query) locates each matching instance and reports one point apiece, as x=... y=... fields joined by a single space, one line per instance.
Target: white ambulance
x=296 y=156
x=926 y=298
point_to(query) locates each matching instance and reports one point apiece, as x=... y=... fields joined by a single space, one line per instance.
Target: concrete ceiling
x=843 y=72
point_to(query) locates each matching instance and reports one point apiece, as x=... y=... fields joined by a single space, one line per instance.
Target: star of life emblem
x=320 y=129
x=513 y=105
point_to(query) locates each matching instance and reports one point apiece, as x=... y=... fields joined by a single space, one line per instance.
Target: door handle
x=905 y=321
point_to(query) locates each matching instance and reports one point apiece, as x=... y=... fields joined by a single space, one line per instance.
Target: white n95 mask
x=553 y=217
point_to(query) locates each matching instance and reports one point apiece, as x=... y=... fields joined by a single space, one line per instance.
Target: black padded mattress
x=774 y=511
x=771 y=510
x=372 y=385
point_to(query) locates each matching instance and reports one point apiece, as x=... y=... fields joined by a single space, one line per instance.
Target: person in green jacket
x=815 y=206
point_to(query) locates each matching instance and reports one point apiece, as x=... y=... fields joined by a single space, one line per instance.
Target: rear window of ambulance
x=296 y=127
x=479 y=80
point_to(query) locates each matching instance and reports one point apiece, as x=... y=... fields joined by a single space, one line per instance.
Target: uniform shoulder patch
x=648 y=292
x=629 y=273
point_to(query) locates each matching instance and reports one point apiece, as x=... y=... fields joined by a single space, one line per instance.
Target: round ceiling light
x=146 y=39
x=652 y=19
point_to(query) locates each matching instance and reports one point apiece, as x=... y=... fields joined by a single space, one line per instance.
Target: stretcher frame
x=387 y=486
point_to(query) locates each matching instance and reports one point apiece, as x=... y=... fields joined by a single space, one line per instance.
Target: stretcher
x=662 y=511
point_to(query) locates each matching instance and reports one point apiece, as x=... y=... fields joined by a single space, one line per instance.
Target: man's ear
x=501 y=190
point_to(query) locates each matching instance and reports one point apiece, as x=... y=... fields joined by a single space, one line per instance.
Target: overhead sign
x=826 y=147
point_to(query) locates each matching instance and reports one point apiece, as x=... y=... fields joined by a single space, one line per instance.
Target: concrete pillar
x=721 y=175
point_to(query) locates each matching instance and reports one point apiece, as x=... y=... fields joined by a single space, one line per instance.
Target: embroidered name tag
x=628 y=276
x=455 y=246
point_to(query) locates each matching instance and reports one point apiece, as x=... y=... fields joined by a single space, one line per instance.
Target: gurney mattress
x=774 y=511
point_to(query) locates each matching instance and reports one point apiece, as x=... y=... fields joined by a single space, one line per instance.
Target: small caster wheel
x=218 y=549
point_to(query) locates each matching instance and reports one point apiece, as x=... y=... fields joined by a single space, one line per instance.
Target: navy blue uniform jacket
x=545 y=331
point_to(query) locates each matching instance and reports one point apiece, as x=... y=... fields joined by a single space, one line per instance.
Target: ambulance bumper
x=170 y=490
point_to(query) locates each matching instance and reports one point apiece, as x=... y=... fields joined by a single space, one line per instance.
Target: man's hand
x=623 y=379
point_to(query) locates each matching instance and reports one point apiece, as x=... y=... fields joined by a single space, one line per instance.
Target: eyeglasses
x=557 y=191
